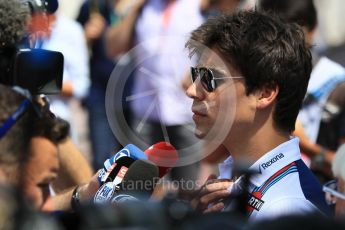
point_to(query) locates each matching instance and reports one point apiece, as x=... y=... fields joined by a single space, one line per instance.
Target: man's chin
x=199 y=133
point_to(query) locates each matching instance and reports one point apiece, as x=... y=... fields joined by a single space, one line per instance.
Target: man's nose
x=195 y=91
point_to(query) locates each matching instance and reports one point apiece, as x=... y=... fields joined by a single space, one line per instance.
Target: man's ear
x=266 y=97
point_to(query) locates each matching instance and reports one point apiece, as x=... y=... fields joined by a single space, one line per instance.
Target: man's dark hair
x=267 y=52
x=14 y=145
x=14 y=17
x=302 y=12
x=54 y=129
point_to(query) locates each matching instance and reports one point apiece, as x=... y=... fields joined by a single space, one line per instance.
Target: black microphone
x=129 y=151
x=118 y=170
x=112 y=179
x=138 y=183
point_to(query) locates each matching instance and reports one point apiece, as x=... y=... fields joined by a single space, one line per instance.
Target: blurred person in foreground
x=18 y=117
x=335 y=189
x=42 y=167
x=261 y=84
x=33 y=141
x=309 y=222
x=29 y=139
x=320 y=124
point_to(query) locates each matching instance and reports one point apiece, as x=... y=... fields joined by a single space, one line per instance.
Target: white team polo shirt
x=283 y=185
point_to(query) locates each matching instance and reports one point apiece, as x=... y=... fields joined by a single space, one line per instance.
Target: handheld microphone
x=138 y=183
x=164 y=155
x=112 y=178
x=129 y=151
x=117 y=171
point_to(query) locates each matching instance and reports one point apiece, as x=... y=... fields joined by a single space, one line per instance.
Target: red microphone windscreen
x=164 y=155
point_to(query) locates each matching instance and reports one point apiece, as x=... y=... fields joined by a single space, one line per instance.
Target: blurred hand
x=210 y=197
x=67 y=89
x=88 y=190
x=94 y=27
x=329 y=155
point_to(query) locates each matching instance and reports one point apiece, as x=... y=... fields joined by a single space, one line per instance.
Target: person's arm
x=309 y=148
x=94 y=27
x=76 y=72
x=74 y=168
x=62 y=202
x=119 y=38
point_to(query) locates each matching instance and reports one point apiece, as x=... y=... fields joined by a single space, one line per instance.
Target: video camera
x=40 y=71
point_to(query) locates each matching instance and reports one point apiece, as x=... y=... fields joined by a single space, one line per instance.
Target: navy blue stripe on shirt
x=311 y=188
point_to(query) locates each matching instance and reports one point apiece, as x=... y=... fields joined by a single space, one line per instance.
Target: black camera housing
x=40 y=71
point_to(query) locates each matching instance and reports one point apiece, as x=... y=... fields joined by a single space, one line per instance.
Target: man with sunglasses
x=248 y=87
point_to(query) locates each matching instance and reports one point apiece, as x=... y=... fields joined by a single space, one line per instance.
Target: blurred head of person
x=24 y=134
x=338 y=168
x=40 y=24
x=224 y=6
x=42 y=166
x=30 y=134
x=15 y=138
x=302 y=12
x=212 y=8
x=14 y=20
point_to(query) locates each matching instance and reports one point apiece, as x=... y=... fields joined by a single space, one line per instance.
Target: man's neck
x=253 y=146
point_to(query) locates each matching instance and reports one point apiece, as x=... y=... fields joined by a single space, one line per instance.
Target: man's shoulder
x=288 y=187
x=287 y=205
x=296 y=192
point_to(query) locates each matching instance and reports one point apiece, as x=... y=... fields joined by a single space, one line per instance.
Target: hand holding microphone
x=162 y=154
x=114 y=170
x=111 y=167
x=138 y=183
x=124 y=167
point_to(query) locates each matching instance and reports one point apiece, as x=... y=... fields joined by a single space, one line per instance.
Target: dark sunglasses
x=207 y=77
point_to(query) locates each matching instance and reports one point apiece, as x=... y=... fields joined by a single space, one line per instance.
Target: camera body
x=40 y=71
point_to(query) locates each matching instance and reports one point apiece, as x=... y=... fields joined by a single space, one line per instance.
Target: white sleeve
x=76 y=66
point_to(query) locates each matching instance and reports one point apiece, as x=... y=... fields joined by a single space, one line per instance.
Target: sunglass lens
x=194 y=73
x=206 y=79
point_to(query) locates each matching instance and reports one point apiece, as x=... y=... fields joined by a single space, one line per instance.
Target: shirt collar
x=225 y=168
x=274 y=160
